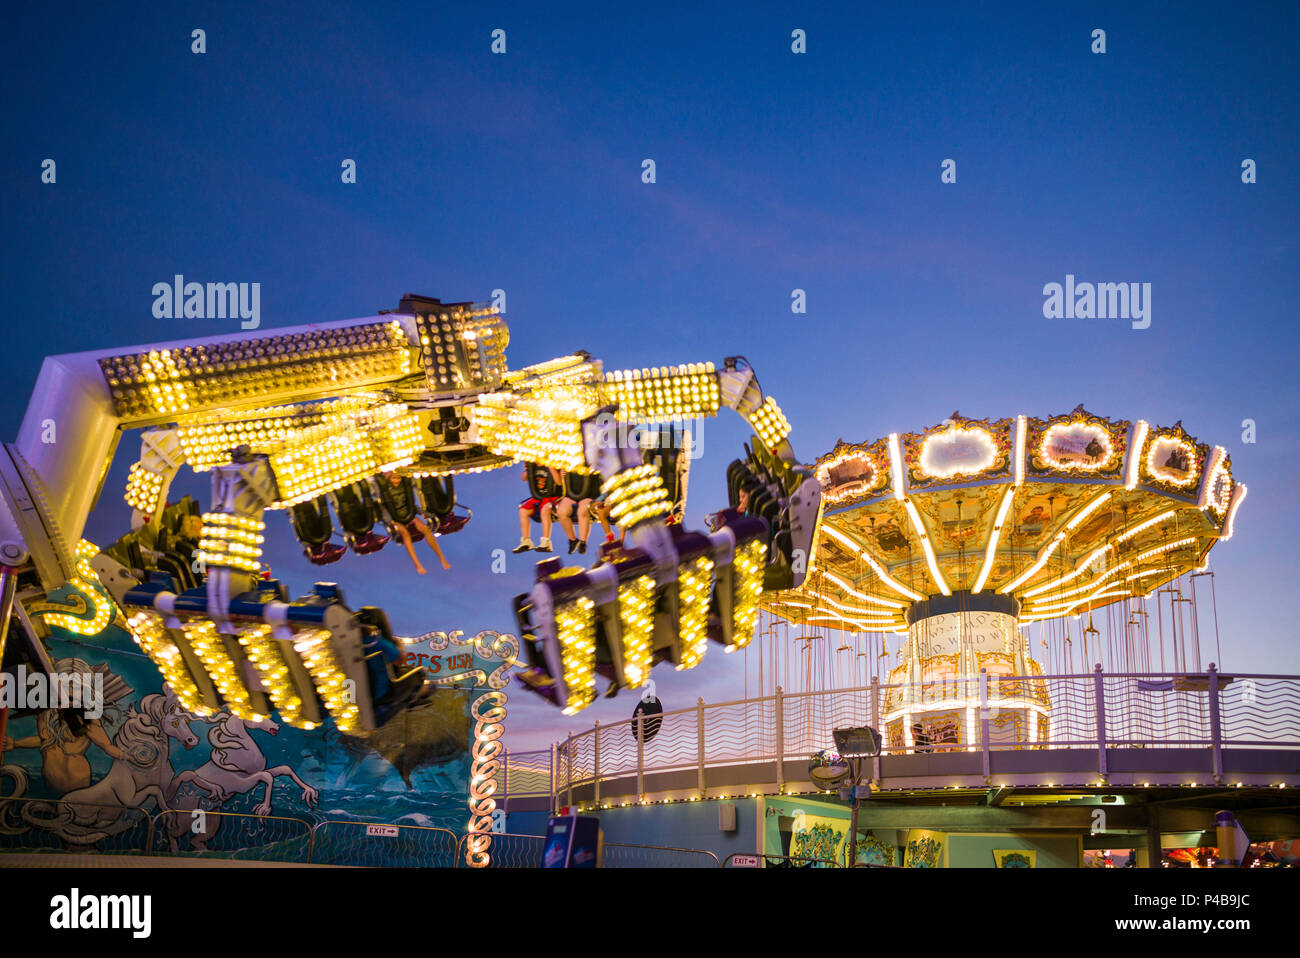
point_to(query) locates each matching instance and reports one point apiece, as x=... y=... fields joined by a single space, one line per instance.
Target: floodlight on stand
x=857 y=742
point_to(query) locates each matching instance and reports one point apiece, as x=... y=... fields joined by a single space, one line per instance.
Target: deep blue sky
x=775 y=171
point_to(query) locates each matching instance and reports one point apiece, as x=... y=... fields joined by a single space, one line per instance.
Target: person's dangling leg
x=430 y=538
x=545 y=544
x=410 y=549
x=584 y=524
x=525 y=517
x=564 y=512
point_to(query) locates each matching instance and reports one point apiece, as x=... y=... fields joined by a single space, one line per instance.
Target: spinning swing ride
x=958 y=538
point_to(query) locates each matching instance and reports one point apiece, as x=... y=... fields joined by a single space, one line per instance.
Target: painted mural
x=218 y=784
x=925 y=849
x=804 y=829
x=1014 y=857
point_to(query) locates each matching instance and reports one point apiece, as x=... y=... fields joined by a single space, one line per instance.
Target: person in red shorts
x=545 y=487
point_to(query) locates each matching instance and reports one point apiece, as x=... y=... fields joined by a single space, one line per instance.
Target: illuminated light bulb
x=695 y=580
x=575 y=631
x=221 y=668
x=331 y=684
x=636 y=615
x=749 y=563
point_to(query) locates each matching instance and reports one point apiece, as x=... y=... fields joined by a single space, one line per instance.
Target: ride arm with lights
x=290 y=416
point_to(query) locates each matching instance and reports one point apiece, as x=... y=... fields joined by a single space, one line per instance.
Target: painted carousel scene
x=741 y=487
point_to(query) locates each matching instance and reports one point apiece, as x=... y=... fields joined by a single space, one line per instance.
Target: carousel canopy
x=1058 y=516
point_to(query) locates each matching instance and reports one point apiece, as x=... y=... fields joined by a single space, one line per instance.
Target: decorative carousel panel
x=1172 y=461
x=958 y=451
x=1078 y=444
x=882 y=528
x=852 y=473
x=960 y=518
x=1040 y=510
x=1217 y=492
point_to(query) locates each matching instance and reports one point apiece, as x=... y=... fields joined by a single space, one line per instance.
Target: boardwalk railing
x=1097 y=712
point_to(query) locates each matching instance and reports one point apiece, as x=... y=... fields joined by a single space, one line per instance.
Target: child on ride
x=545 y=488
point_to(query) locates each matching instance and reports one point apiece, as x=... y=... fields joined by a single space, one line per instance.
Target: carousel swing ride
x=960 y=540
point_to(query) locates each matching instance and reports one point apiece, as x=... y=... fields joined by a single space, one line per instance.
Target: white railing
x=1097 y=711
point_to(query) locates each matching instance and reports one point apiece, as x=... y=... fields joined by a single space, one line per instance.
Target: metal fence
x=619 y=855
x=232 y=835
x=374 y=845
x=506 y=851
x=1096 y=711
x=525 y=851
x=777 y=861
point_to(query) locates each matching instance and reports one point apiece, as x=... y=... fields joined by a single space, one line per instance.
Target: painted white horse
x=236 y=766
x=86 y=815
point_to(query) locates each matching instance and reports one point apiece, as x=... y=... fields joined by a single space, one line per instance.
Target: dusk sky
x=774 y=171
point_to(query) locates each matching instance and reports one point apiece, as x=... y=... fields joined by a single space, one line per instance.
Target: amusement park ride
x=355 y=418
x=960 y=535
x=955 y=537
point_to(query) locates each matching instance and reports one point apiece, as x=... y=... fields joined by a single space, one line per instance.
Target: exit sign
x=381 y=831
x=744 y=861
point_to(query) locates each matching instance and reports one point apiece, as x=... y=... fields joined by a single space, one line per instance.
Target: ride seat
x=439 y=505
x=356 y=512
x=313 y=528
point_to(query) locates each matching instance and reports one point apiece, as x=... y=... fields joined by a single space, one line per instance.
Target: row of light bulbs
x=331 y=682
x=770 y=423
x=173 y=381
x=636 y=605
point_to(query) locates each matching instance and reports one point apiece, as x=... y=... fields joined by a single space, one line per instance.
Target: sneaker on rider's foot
x=524 y=545
x=573 y=546
x=544 y=545
x=582 y=546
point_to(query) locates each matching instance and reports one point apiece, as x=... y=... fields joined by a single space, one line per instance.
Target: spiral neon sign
x=489 y=714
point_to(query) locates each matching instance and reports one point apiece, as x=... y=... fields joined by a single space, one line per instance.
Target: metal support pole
x=8 y=588
x=1155 y=851
x=568 y=771
x=1100 y=699
x=875 y=724
x=1216 y=733
x=852 y=858
x=595 y=775
x=780 y=742
x=640 y=758
x=984 y=722
x=555 y=791
x=699 y=743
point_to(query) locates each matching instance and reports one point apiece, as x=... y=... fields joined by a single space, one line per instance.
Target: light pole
x=855 y=744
